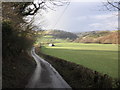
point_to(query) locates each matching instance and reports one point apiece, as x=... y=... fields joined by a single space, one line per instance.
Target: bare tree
x=43 y=4
x=38 y=7
x=112 y=5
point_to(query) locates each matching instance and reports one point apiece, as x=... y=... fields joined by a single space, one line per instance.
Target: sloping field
x=100 y=57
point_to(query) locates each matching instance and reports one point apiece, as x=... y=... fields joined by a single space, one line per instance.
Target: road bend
x=45 y=76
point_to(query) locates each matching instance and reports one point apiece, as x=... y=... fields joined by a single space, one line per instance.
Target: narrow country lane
x=45 y=76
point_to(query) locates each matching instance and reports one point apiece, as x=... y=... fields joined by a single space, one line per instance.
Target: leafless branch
x=43 y=5
x=35 y=9
x=114 y=6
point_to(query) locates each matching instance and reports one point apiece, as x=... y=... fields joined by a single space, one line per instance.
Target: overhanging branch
x=117 y=7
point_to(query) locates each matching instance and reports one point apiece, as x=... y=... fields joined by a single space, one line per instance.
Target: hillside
x=93 y=33
x=61 y=34
x=104 y=37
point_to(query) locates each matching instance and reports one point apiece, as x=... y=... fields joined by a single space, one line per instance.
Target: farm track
x=45 y=76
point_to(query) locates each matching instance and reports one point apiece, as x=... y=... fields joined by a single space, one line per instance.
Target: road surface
x=45 y=76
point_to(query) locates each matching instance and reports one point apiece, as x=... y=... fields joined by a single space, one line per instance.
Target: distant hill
x=93 y=33
x=103 y=37
x=61 y=34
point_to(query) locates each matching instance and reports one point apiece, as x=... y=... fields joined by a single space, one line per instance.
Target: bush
x=13 y=42
x=17 y=65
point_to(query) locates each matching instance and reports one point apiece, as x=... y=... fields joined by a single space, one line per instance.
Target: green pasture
x=100 y=57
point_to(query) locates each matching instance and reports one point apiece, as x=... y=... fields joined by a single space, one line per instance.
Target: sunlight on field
x=100 y=57
x=81 y=46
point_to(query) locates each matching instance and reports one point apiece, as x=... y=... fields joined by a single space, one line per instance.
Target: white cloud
x=56 y=19
x=106 y=16
x=109 y=25
x=95 y=25
x=81 y=18
x=102 y=17
x=93 y=0
x=85 y=0
x=104 y=22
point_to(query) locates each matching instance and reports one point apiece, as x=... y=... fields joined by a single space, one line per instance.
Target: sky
x=79 y=16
